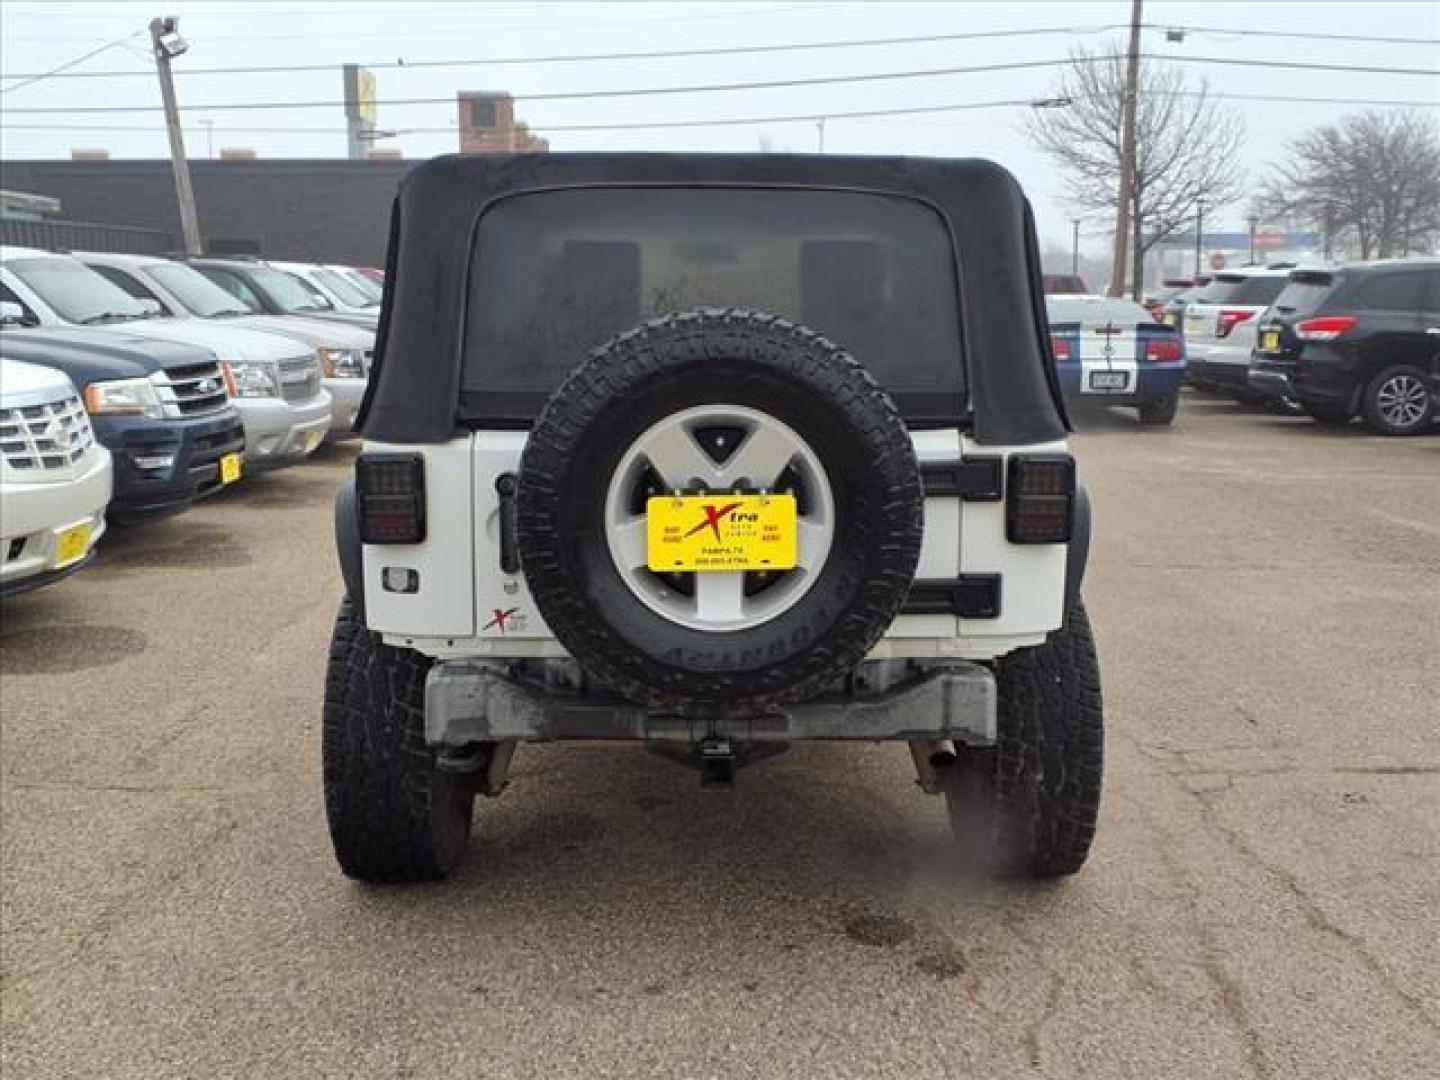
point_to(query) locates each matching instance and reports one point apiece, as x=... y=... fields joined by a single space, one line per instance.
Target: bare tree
x=1370 y=183
x=1186 y=145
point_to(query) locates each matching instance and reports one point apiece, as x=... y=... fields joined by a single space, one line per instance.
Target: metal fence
x=84 y=236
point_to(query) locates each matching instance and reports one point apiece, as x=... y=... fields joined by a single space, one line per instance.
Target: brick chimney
x=89 y=155
x=487 y=126
x=237 y=153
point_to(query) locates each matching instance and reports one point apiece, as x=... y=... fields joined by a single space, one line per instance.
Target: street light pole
x=1118 y=265
x=1199 y=233
x=1075 y=248
x=166 y=43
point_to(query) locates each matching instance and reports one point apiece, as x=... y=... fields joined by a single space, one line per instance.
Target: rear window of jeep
x=555 y=274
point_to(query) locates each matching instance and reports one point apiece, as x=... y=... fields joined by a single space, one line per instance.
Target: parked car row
x=1334 y=342
x=132 y=386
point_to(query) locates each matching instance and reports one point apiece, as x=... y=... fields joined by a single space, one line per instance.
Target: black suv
x=1356 y=340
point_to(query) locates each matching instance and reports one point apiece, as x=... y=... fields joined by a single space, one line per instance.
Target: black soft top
x=415 y=382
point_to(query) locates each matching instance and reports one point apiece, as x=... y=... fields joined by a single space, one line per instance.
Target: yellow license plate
x=1270 y=341
x=229 y=468
x=73 y=544
x=721 y=532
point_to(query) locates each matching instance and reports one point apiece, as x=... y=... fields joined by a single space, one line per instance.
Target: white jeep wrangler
x=715 y=453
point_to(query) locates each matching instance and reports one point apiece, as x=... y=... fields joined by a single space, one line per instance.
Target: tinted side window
x=1389 y=292
x=7 y=295
x=125 y=281
x=1432 y=299
x=232 y=284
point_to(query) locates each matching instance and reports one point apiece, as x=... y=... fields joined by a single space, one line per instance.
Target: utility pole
x=209 y=139
x=1127 y=157
x=1075 y=248
x=166 y=43
x=820 y=126
x=1254 y=224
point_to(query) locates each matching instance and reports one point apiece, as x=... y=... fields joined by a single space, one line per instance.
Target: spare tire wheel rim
x=750 y=451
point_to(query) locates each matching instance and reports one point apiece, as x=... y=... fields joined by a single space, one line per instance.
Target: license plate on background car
x=1108 y=380
x=1270 y=341
x=721 y=532
x=229 y=468
x=73 y=544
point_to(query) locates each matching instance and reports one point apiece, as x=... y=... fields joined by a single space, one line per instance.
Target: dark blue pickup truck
x=160 y=407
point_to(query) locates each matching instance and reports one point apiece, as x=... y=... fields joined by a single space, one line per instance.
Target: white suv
x=54 y=478
x=1232 y=297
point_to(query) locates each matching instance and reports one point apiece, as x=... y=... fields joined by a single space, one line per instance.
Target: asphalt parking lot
x=1262 y=900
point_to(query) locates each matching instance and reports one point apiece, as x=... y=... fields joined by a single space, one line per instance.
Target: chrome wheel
x=720 y=448
x=1402 y=400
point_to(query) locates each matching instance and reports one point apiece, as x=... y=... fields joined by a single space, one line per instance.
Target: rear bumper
x=1152 y=382
x=1270 y=378
x=469 y=701
x=279 y=432
x=194 y=447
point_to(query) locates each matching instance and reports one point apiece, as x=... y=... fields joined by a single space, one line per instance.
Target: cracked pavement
x=1263 y=900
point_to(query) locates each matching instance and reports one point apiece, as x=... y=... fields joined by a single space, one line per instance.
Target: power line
x=734 y=12
x=731 y=50
x=771 y=84
x=26 y=80
x=1287 y=34
x=723 y=121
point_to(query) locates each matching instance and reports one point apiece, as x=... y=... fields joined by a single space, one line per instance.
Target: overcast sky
x=39 y=36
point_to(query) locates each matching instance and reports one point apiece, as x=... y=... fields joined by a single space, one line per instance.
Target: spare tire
x=718 y=400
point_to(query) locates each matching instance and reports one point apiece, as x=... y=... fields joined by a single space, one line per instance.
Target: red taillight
x=1324 y=329
x=391 y=496
x=1061 y=347
x=1231 y=319
x=1040 y=499
x=1162 y=350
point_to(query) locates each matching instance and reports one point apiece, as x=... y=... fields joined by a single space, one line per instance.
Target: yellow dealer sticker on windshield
x=721 y=532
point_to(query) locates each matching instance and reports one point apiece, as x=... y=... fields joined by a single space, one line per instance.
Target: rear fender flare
x=1079 y=554
x=348 y=548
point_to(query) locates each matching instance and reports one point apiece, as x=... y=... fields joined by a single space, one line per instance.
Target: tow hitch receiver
x=717 y=758
x=717 y=763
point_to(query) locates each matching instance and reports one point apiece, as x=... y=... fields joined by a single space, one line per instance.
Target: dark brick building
x=302 y=209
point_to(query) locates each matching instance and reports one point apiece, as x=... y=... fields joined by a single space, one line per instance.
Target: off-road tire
x=1162 y=411
x=1329 y=415
x=393 y=816
x=747 y=359
x=1029 y=807
x=1370 y=405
